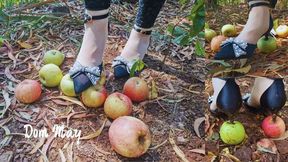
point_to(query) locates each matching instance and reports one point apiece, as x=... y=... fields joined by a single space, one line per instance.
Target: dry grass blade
x=70 y=153
x=198 y=151
x=71 y=99
x=177 y=150
x=37 y=146
x=94 y=134
x=9 y=75
x=62 y=156
x=6 y=140
x=7 y=103
x=45 y=148
x=10 y=53
x=197 y=124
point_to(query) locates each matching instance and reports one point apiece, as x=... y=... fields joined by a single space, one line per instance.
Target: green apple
x=267 y=45
x=209 y=34
x=53 y=57
x=67 y=86
x=50 y=75
x=232 y=133
x=282 y=31
x=229 y=30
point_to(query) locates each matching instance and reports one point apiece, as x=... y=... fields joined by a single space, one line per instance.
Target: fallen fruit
x=50 y=75
x=67 y=86
x=136 y=89
x=216 y=43
x=273 y=126
x=53 y=57
x=232 y=133
x=28 y=91
x=282 y=31
x=117 y=104
x=267 y=45
x=129 y=136
x=93 y=98
x=209 y=34
x=229 y=30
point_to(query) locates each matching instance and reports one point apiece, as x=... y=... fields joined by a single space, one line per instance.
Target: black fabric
x=274 y=98
x=229 y=99
x=97 y=5
x=146 y=15
x=148 y=12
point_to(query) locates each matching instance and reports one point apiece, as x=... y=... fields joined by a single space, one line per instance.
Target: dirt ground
x=271 y=65
x=180 y=82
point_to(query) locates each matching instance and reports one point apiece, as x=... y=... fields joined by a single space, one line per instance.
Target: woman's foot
x=87 y=69
x=243 y=46
x=267 y=94
x=135 y=49
x=227 y=97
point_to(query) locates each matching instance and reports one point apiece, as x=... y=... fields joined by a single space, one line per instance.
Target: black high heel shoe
x=121 y=66
x=232 y=49
x=272 y=100
x=229 y=99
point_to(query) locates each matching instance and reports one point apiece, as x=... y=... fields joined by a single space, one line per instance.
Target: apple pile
x=264 y=44
x=129 y=136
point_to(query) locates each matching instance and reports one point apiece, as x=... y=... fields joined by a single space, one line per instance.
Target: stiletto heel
x=232 y=49
x=229 y=99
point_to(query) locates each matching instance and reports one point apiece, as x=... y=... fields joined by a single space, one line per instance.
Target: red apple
x=129 y=136
x=28 y=91
x=273 y=126
x=93 y=97
x=136 y=89
x=116 y=105
x=216 y=43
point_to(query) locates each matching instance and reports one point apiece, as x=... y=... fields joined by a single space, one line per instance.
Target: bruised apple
x=93 y=97
x=273 y=126
x=136 y=89
x=216 y=43
x=116 y=105
x=28 y=91
x=129 y=136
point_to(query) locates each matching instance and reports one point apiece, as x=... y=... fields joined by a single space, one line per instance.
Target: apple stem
x=266 y=37
x=274 y=117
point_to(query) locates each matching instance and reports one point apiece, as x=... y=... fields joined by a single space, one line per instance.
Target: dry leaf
x=266 y=145
x=24 y=45
x=62 y=156
x=6 y=140
x=7 y=103
x=94 y=134
x=71 y=99
x=153 y=94
x=198 y=151
x=197 y=124
x=70 y=152
x=9 y=75
x=37 y=146
x=177 y=150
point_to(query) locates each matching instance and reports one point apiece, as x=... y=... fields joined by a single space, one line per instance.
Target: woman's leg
x=137 y=44
x=95 y=34
x=257 y=24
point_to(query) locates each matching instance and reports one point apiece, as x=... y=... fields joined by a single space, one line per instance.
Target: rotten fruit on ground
x=267 y=45
x=136 y=89
x=282 y=31
x=28 y=91
x=273 y=126
x=129 y=136
x=209 y=34
x=93 y=97
x=216 y=43
x=67 y=86
x=53 y=57
x=117 y=104
x=229 y=30
x=50 y=75
x=232 y=133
